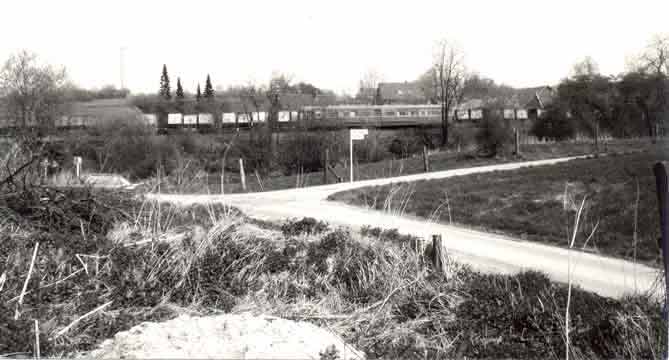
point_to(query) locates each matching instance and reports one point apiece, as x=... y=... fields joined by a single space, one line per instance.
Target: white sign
x=229 y=118
x=243 y=118
x=509 y=113
x=174 y=118
x=205 y=118
x=284 y=116
x=358 y=134
x=463 y=114
x=190 y=119
x=522 y=114
x=259 y=116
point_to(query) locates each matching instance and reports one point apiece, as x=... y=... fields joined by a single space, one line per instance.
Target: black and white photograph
x=348 y=180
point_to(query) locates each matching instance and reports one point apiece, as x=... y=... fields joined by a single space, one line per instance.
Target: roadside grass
x=441 y=160
x=539 y=203
x=151 y=263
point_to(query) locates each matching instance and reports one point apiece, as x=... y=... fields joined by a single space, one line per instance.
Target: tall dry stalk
x=635 y=235
x=571 y=245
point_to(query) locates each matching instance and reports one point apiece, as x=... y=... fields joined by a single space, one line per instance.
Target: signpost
x=355 y=134
x=77 y=166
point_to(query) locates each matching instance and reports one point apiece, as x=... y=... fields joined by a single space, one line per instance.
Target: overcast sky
x=330 y=44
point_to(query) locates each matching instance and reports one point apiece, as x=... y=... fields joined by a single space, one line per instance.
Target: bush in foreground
x=391 y=304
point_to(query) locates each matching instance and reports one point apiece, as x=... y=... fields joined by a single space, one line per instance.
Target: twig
x=384 y=301
x=573 y=239
x=25 y=284
x=3 y=278
x=37 y=339
x=49 y=285
x=68 y=327
x=83 y=232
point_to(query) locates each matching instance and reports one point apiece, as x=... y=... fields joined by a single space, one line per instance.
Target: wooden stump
x=426 y=159
x=437 y=253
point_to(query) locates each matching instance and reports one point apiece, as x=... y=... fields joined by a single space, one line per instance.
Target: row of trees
x=631 y=104
x=165 y=91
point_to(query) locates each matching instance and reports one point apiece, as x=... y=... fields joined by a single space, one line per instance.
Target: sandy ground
x=224 y=337
x=483 y=251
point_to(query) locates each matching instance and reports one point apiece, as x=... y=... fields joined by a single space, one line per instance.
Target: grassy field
x=211 y=183
x=540 y=203
x=143 y=263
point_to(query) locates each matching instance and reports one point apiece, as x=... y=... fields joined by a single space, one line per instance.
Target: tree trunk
x=444 y=126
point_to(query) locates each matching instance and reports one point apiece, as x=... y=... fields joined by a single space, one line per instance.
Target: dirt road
x=483 y=251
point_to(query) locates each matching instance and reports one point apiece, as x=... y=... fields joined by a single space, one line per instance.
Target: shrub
x=492 y=135
x=303 y=153
x=554 y=125
x=306 y=225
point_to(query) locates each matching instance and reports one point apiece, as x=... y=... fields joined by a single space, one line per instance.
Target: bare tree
x=33 y=91
x=369 y=84
x=585 y=68
x=655 y=59
x=447 y=77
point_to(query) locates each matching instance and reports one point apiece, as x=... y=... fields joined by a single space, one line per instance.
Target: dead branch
x=76 y=321
x=25 y=284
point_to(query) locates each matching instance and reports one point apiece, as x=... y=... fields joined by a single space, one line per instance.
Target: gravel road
x=486 y=252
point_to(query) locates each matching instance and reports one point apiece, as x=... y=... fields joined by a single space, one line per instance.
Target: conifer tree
x=165 y=84
x=208 y=89
x=198 y=95
x=180 y=90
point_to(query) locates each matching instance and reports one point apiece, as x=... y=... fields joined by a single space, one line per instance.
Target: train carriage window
x=413 y=113
x=377 y=112
x=352 y=114
x=403 y=113
x=389 y=113
x=340 y=114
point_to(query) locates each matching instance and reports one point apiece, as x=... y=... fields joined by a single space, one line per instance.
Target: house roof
x=523 y=98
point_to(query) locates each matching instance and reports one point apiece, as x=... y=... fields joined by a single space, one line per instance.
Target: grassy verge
x=211 y=183
x=372 y=287
x=539 y=203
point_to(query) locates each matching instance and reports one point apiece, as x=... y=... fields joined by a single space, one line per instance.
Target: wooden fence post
x=77 y=166
x=597 y=139
x=45 y=169
x=325 y=166
x=241 y=173
x=437 y=253
x=426 y=159
x=661 y=179
x=222 y=176
x=516 y=141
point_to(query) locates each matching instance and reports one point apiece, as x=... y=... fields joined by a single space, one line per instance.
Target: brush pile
x=106 y=263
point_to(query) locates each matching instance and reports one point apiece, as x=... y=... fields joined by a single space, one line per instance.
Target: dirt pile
x=226 y=337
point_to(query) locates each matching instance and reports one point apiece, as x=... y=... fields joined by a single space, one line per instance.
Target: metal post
x=661 y=180
x=241 y=173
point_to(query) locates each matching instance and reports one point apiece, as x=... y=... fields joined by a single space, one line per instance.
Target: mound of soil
x=226 y=337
